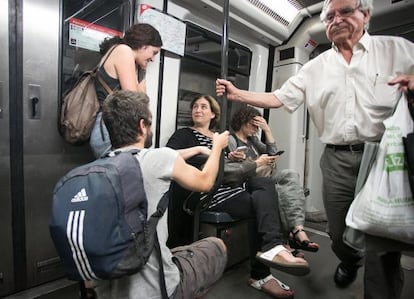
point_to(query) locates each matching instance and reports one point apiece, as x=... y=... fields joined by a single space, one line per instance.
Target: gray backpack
x=99 y=219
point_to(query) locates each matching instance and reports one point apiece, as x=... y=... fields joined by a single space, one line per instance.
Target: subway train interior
x=47 y=44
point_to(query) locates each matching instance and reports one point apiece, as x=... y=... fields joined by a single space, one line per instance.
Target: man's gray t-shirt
x=157 y=166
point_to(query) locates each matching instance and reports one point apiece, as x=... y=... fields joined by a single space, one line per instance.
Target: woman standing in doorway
x=124 y=61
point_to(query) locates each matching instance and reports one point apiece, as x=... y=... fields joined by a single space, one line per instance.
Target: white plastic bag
x=385 y=206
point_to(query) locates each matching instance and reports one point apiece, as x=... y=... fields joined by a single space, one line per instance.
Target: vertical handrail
x=160 y=87
x=224 y=62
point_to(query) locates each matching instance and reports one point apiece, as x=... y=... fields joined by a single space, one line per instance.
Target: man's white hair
x=363 y=5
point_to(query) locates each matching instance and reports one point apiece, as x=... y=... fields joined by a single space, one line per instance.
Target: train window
x=85 y=24
x=206 y=46
x=201 y=66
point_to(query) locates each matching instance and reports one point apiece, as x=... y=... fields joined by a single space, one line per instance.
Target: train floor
x=318 y=284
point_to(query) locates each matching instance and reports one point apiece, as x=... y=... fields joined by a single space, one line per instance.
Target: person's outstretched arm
x=191 y=178
x=187 y=153
x=258 y=99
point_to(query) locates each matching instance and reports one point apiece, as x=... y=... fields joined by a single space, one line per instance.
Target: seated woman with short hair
x=245 y=124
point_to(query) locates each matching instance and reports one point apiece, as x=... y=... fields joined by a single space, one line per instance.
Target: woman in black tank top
x=123 y=59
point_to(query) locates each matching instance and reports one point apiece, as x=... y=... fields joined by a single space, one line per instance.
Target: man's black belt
x=347 y=147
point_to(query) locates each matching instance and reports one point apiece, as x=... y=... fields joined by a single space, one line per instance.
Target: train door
x=6 y=247
x=45 y=44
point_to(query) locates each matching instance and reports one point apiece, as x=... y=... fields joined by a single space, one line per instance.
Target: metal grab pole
x=160 y=87
x=224 y=62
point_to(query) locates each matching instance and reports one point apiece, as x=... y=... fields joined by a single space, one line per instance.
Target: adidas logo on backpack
x=102 y=231
x=80 y=196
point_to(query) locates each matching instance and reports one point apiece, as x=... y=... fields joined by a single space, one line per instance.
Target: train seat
x=234 y=232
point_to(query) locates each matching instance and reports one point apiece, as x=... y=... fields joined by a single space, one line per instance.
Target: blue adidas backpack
x=99 y=219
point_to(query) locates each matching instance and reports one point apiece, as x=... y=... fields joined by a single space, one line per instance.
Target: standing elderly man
x=355 y=92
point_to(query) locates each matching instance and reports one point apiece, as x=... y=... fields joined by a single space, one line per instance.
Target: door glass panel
x=86 y=24
x=201 y=66
x=206 y=46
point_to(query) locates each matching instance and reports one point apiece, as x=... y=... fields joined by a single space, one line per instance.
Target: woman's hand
x=142 y=86
x=221 y=140
x=261 y=123
x=265 y=159
x=204 y=150
x=236 y=156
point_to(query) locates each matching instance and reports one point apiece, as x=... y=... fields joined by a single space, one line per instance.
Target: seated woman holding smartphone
x=245 y=124
x=258 y=202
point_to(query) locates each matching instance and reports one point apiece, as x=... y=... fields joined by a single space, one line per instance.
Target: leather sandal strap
x=270 y=254
x=260 y=282
x=298 y=231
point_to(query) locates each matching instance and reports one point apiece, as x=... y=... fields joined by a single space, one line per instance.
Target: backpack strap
x=106 y=58
x=98 y=67
x=133 y=151
x=163 y=285
x=161 y=207
x=104 y=85
x=152 y=225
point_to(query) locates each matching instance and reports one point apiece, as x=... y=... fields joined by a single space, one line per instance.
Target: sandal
x=272 y=286
x=294 y=252
x=273 y=259
x=307 y=245
x=297 y=253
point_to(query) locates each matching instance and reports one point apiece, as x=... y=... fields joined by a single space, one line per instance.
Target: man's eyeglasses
x=342 y=12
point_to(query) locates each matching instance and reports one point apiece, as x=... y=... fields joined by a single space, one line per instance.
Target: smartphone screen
x=242 y=148
x=278 y=153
